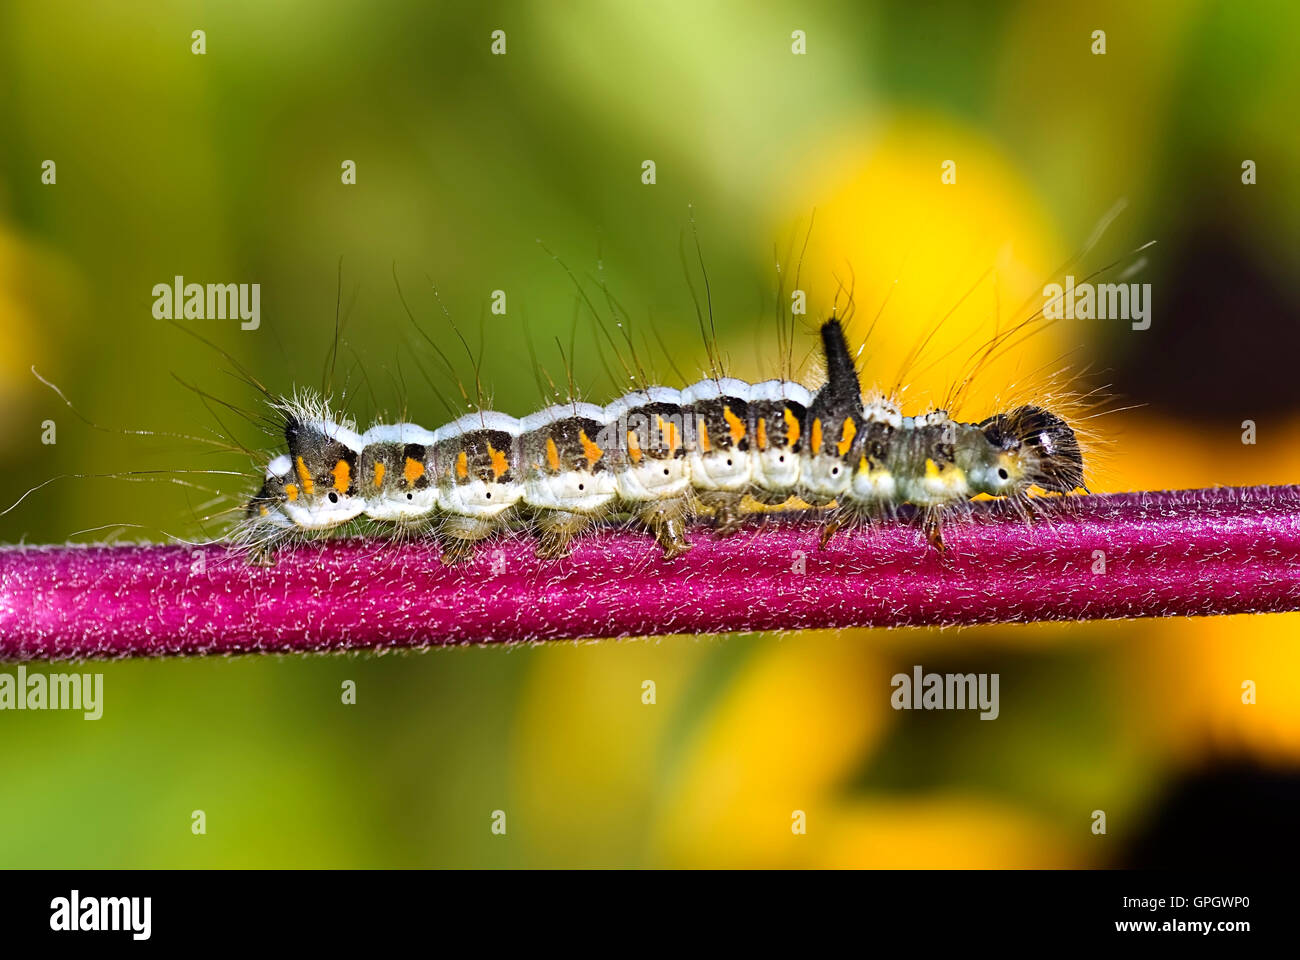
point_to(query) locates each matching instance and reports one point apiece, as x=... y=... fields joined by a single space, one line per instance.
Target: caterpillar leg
x=667 y=521
x=458 y=536
x=556 y=531
x=932 y=527
x=261 y=554
x=259 y=545
x=829 y=530
x=726 y=511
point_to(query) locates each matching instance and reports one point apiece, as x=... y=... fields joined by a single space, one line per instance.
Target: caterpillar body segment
x=657 y=454
x=475 y=465
x=395 y=475
x=873 y=477
x=569 y=481
x=651 y=470
x=719 y=458
x=778 y=412
x=835 y=420
x=650 y=446
x=476 y=471
x=564 y=468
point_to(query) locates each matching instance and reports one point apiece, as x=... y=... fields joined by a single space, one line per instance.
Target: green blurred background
x=225 y=167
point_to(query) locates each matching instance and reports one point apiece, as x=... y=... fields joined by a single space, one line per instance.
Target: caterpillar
x=656 y=454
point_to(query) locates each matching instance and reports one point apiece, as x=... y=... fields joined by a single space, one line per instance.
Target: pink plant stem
x=1191 y=552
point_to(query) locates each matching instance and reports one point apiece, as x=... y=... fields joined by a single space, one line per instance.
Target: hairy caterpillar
x=655 y=454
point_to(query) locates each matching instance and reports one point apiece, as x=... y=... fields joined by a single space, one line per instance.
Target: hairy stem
x=1191 y=552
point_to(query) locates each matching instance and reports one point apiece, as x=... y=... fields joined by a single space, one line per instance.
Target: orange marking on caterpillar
x=552 y=455
x=462 y=466
x=380 y=467
x=414 y=470
x=846 y=436
x=705 y=446
x=633 y=447
x=734 y=423
x=291 y=491
x=817 y=435
x=500 y=464
x=669 y=431
x=590 y=450
x=792 y=429
x=342 y=476
x=762 y=434
x=308 y=485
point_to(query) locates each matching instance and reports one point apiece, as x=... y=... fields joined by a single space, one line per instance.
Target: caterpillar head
x=1032 y=447
x=266 y=508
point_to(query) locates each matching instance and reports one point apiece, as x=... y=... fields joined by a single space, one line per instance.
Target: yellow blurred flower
x=800 y=715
